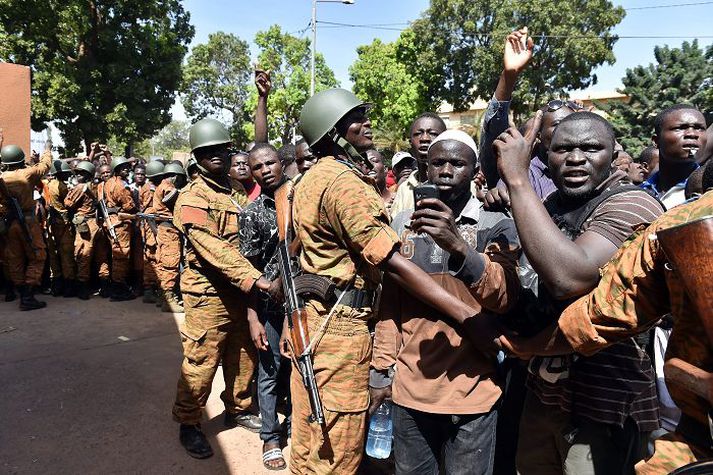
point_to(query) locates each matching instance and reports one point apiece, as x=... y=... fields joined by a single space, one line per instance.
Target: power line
x=654 y=7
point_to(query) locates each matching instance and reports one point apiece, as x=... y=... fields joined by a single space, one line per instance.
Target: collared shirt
x=495 y=122
x=21 y=183
x=80 y=200
x=636 y=289
x=672 y=197
x=342 y=224
x=404 y=194
x=437 y=370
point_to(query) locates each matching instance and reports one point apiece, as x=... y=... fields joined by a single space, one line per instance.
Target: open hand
x=518 y=51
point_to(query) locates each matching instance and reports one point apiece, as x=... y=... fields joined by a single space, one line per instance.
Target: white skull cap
x=458 y=136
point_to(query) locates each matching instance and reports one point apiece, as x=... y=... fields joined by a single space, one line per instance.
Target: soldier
x=117 y=197
x=25 y=250
x=102 y=246
x=61 y=237
x=81 y=202
x=138 y=187
x=345 y=237
x=168 y=251
x=214 y=285
x=154 y=175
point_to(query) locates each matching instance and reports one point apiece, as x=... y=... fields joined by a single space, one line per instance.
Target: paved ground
x=76 y=398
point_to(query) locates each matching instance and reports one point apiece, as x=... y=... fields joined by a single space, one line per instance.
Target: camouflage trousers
x=25 y=261
x=121 y=252
x=341 y=367
x=168 y=256
x=84 y=244
x=61 y=250
x=102 y=254
x=149 y=271
x=213 y=335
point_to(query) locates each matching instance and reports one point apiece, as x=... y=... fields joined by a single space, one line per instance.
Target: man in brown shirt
x=443 y=386
x=149 y=232
x=81 y=201
x=117 y=196
x=102 y=245
x=25 y=258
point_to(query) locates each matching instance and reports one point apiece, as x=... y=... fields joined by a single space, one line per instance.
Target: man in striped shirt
x=581 y=413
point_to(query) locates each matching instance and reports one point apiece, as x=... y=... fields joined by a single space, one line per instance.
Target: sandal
x=271 y=455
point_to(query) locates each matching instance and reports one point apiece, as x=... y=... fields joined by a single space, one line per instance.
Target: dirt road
x=87 y=387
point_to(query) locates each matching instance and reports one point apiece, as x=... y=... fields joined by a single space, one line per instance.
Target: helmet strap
x=353 y=152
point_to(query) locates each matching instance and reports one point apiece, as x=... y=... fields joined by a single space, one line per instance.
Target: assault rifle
x=17 y=213
x=150 y=218
x=294 y=307
x=105 y=216
x=689 y=249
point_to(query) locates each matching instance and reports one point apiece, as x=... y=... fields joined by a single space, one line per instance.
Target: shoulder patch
x=192 y=215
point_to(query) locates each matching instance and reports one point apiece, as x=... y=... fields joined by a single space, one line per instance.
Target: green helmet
x=117 y=162
x=154 y=169
x=53 y=168
x=322 y=111
x=208 y=132
x=12 y=155
x=64 y=167
x=86 y=166
x=174 y=167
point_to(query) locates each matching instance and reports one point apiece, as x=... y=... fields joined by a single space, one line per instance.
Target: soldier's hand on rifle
x=377 y=396
x=257 y=331
x=275 y=290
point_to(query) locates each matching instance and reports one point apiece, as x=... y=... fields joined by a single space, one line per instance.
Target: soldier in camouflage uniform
x=214 y=284
x=168 y=250
x=61 y=235
x=345 y=236
x=81 y=202
x=154 y=175
x=25 y=260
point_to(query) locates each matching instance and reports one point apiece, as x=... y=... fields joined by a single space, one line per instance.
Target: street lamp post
x=314 y=38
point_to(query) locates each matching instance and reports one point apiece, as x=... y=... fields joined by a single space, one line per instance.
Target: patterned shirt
x=636 y=289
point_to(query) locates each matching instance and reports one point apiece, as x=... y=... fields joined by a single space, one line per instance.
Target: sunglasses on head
x=558 y=104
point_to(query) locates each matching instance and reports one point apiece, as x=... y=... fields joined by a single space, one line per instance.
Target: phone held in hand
x=424 y=191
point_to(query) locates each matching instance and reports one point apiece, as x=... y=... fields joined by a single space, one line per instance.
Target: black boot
x=70 y=288
x=194 y=441
x=10 y=294
x=121 y=292
x=244 y=419
x=104 y=288
x=28 y=300
x=57 y=287
x=83 y=291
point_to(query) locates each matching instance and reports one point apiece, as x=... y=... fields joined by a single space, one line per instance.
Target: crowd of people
x=510 y=297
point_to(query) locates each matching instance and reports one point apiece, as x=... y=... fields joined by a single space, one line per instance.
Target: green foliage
x=680 y=75
x=287 y=58
x=216 y=79
x=381 y=78
x=172 y=138
x=458 y=46
x=99 y=70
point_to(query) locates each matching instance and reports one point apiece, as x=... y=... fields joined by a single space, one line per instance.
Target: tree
x=99 y=70
x=380 y=78
x=172 y=138
x=216 y=81
x=458 y=46
x=287 y=58
x=680 y=75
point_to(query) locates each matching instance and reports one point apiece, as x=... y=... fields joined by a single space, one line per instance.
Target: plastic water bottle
x=378 y=442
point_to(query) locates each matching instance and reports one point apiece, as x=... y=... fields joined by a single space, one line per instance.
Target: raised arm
x=263 y=83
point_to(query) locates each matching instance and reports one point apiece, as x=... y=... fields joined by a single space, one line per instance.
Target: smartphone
x=424 y=191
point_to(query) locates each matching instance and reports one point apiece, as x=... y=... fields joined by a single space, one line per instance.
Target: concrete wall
x=15 y=105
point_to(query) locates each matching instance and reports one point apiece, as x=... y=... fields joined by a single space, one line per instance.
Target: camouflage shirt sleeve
x=36 y=172
x=357 y=214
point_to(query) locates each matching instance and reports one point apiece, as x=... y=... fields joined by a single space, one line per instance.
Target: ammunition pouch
x=80 y=223
x=323 y=289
